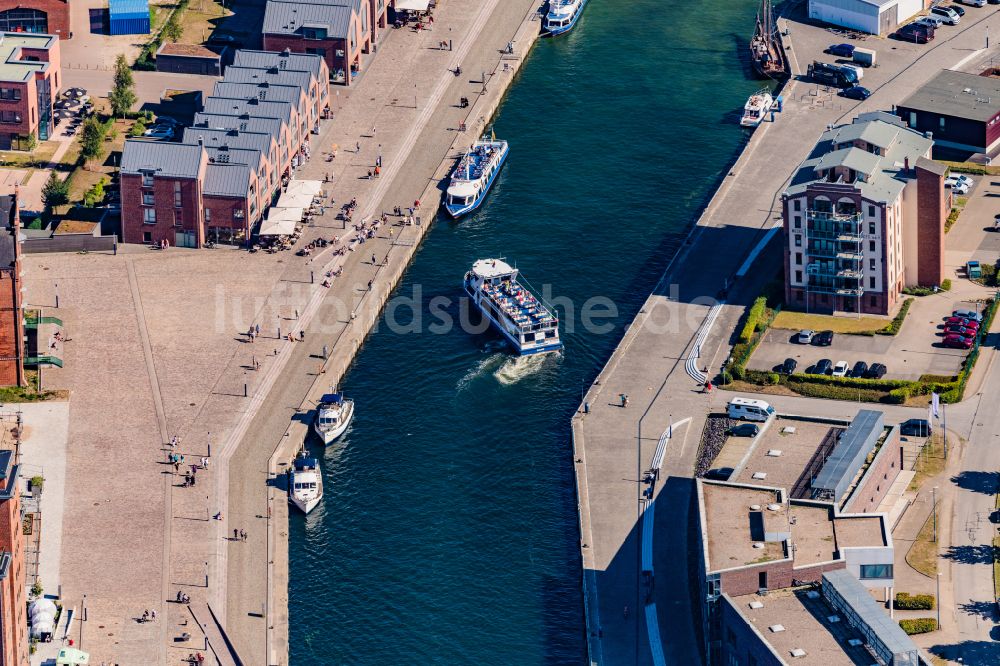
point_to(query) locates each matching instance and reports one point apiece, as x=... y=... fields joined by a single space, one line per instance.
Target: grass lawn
x=922 y=555
x=83 y=178
x=796 y=321
x=20 y=159
x=930 y=462
x=200 y=19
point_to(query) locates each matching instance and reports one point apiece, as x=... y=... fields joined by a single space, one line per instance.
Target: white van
x=946 y=14
x=748 y=409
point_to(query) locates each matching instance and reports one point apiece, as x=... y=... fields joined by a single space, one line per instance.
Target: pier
x=638 y=563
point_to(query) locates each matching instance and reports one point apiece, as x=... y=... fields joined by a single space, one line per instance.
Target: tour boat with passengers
x=305 y=488
x=474 y=175
x=756 y=108
x=333 y=415
x=562 y=16
x=520 y=317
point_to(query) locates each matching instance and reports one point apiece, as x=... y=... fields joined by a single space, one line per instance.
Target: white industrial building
x=878 y=17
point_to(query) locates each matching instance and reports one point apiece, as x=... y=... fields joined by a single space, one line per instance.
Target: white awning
x=310 y=187
x=412 y=5
x=281 y=222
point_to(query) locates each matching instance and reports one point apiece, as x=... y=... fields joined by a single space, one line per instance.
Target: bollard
x=244 y=390
x=312 y=278
x=586 y=408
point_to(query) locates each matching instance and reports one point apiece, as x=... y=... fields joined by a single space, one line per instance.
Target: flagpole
x=944 y=417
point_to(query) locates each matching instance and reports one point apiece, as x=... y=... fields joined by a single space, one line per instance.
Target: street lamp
x=934 y=510
x=938 y=600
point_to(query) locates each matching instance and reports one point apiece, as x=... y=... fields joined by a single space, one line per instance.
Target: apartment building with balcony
x=13 y=597
x=863 y=218
x=215 y=184
x=29 y=85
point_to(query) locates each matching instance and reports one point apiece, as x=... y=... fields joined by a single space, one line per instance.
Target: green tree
x=31 y=144
x=92 y=138
x=95 y=194
x=55 y=192
x=122 y=96
x=172 y=30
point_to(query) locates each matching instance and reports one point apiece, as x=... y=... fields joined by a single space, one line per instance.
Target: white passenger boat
x=333 y=415
x=473 y=176
x=756 y=108
x=519 y=316
x=562 y=16
x=305 y=488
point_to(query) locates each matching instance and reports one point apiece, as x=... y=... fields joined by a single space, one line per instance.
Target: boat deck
x=476 y=162
x=519 y=304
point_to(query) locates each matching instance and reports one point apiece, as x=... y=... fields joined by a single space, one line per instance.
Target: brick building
x=12 y=349
x=29 y=85
x=856 y=227
x=36 y=16
x=215 y=185
x=13 y=608
x=958 y=108
x=340 y=31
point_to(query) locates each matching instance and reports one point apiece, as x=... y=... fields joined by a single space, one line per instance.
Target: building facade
x=877 y=17
x=12 y=347
x=36 y=16
x=13 y=601
x=28 y=88
x=957 y=108
x=854 y=231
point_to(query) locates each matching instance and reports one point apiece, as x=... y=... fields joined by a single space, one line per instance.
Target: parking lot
x=915 y=351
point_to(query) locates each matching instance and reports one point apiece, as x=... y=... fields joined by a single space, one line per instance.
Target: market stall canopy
x=72 y=657
x=281 y=222
x=299 y=194
x=412 y=5
x=42 y=605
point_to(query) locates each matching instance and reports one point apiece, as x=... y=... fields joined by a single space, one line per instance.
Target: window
x=24 y=20
x=869 y=571
x=177 y=194
x=179 y=217
x=913 y=119
x=320 y=52
x=148 y=199
x=798 y=257
x=147 y=179
x=149 y=216
x=798 y=222
x=874 y=301
x=208 y=215
x=871 y=228
x=871 y=264
x=871 y=282
x=797 y=205
x=871 y=211
x=238 y=214
x=147 y=236
x=871 y=246
x=798 y=276
x=798 y=240
x=941 y=123
x=340 y=53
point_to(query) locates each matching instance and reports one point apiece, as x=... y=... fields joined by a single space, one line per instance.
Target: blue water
x=448 y=532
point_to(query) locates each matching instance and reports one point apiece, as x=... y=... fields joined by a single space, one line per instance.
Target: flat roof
x=957 y=94
x=727 y=520
x=187 y=51
x=858 y=531
x=12 y=67
x=802 y=454
x=805 y=616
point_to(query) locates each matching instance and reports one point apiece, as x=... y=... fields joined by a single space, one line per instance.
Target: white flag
x=935 y=405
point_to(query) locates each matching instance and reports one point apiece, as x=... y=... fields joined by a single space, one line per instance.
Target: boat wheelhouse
x=513 y=310
x=562 y=16
x=333 y=415
x=474 y=175
x=305 y=488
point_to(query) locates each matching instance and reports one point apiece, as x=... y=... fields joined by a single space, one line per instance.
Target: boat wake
x=482 y=367
x=520 y=367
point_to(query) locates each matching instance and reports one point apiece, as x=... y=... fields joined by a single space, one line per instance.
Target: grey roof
x=227 y=180
x=263 y=91
x=227 y=155
x=851 y=158
x=849 y=453
x=288 y=18
x=886 y=178
x=6 y=247
x=880 y=134
x=957 y=94
x=243 y=123
x=934 y=167
x=272 y=75
x=231 y=138
x=254 y=108
x=296 y=62
x=881 y=633
x=165 y=158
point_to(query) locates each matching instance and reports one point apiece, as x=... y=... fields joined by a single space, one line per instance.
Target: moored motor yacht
x=305 y=487
x=333 y=415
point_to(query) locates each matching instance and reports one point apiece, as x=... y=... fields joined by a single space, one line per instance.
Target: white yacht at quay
x=305 y=487
x=562 y=16
x=333 y=415
x=474 y=175
x=756 y=108
x=519 y=316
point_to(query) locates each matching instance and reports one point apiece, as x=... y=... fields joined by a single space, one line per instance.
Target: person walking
x=236 y=534
x=357 y=146
x=256 y=329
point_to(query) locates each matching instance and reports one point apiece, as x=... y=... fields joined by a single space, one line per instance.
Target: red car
x=961 y=321
x=957 y=342
x=954 y=329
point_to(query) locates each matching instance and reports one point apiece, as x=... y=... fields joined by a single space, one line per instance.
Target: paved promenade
x=613 y=445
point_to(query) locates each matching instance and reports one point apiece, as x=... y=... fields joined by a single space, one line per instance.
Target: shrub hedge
x=918 y=625
x=897 y=321
x=906 y=601
x=756 y=317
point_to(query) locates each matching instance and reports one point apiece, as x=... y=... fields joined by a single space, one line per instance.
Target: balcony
x=830 y=216
x=48 y=359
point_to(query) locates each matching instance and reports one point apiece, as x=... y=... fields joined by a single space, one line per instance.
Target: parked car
x=840 y=370
x=745 y=430
x=976 y=3
x=788 y=367
x=947 y=15
x=167 y=121
x=806 y=336
x=916 y=33
x=823 y=366
x=841 y=50
x=960 y=330
x=959 y=180
x=961 y=321
x=957 y=342
x=974 y=315
x=719 y=474
x=961 y=188
x=860 y=369
x=159 y=132
x=916 y=428
x=824 y=338
x=876 y=371
x=961 y=12
x=857 y=92
x=220 y=39
x=929 y=20
x=832 y=75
